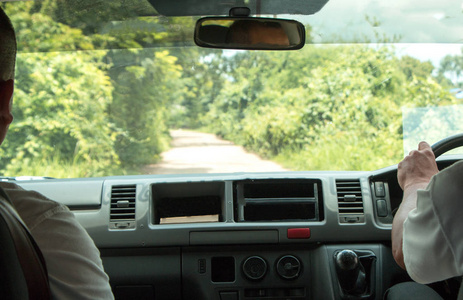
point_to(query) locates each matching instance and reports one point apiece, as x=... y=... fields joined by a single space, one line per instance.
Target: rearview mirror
x=249 y=33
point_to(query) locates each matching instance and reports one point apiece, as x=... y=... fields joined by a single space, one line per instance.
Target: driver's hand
x=418 y=167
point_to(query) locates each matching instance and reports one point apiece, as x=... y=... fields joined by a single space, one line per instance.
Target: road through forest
x=197 y=152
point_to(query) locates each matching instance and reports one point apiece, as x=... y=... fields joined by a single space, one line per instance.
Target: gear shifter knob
x=347 y=260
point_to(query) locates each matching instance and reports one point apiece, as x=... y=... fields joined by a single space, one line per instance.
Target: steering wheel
x=447 y=144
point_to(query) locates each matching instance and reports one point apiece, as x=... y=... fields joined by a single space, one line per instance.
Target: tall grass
x=57 y=168
x=336 y=155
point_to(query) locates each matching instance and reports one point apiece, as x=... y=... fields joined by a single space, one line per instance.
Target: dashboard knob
x=289 y=267
x=255 y=267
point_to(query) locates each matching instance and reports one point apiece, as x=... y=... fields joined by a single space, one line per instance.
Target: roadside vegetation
x=93 y=101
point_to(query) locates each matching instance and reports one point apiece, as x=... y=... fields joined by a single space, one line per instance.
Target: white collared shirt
x=433 y=231
x=73 y=261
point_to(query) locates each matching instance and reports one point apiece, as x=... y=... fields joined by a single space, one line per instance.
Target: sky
x=427 y=29
x=415 y=21
x=429 y=52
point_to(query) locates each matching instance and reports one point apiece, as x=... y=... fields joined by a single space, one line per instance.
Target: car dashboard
x=240 y=235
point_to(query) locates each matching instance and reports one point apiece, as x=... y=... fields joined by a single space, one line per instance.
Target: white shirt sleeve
x=73 y=261
x=432 y=240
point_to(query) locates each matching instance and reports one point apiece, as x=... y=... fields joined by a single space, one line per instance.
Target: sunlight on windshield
x=431 y=124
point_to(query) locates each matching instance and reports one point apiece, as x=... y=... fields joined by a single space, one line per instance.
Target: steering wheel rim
x=447 y=144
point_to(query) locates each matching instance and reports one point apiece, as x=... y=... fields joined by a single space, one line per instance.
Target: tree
x=59 y=111
x=346 y=104
x=145 y=84
x=201 y=82
x=60 y=101
x=451 y=67
x=145 y=80
x=413 y=67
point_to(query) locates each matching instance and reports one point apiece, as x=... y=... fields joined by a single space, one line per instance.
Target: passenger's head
x=253 y=32
x=7 y=63
x=7 y=47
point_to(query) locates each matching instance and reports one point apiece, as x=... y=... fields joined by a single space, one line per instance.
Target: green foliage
x=142 y=92
x=39 y=33
x=55 y=167
x=95 y=111
x=344 y=112
x=59 y=108
x=452 y=67
x=79 y=14
x=412 y=67
x=60 y=100
x=201 y=82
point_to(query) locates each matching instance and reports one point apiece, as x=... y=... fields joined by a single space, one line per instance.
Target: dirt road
x=195 y=152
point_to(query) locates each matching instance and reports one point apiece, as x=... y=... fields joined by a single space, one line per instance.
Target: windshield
x=108 y=89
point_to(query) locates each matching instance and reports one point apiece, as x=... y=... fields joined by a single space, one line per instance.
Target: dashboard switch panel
x=382 y=201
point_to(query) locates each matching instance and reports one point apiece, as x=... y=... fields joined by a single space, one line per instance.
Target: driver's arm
x=414 y=173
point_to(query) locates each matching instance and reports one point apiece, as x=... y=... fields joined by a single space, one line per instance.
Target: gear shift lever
x=351 y=273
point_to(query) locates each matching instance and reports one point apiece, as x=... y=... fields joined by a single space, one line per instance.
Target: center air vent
x=350 y=201
x=123 y=198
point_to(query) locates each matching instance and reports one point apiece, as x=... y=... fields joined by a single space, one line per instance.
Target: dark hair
x=7 y=47
x=238 y=32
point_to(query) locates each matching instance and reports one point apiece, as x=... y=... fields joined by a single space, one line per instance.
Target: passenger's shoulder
x=31 y=205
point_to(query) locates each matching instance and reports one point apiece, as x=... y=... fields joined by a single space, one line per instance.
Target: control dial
x=289 y=267
x=255 y=267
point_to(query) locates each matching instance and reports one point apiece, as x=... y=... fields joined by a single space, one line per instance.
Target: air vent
x=123 y=198
x=350 y=201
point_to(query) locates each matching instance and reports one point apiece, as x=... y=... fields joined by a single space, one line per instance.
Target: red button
x=298 y=233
